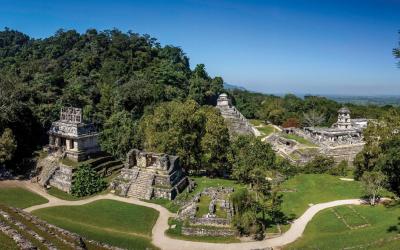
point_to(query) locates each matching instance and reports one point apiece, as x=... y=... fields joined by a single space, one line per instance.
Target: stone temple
x=236 y=122
x=149 y=175
x=72 y=136
x=69 y=138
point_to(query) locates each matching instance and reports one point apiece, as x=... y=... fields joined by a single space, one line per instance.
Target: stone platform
x=149 y=175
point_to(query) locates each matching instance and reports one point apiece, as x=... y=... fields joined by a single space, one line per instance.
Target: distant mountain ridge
x=380 y=100
x=232 y=86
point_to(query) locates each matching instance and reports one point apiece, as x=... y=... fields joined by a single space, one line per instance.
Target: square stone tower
x=70 y=135
x=344 y=120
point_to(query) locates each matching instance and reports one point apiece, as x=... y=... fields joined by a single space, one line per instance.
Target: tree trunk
x=373 y=200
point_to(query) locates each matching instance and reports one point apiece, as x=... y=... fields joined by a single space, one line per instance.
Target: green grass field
x=20 y=198
x=69 y=197
x=203 y=206
x=327 y=231
x=267 y=129
x=204 y=182
x=305 y=189
x=116 y=223
x=62 y=195
x=256 y=122
x=299 y=139
x=7 y=243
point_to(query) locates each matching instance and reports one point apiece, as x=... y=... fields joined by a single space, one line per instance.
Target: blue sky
x=297 y=46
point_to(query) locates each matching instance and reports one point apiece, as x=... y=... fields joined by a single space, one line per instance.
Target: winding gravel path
x=162 y=241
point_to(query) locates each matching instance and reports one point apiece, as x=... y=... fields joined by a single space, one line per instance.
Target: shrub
x=319 y=164
x=340 y=169
x=87 y=182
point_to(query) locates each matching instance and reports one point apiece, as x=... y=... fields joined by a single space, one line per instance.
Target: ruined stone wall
x=164 y=193
x=347 y=153
x=62 y=178
x=216 y=232
x=210 y=221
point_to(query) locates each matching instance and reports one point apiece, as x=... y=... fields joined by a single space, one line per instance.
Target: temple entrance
x=63 y=142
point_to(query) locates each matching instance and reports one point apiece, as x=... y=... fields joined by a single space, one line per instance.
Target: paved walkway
x=162 y=241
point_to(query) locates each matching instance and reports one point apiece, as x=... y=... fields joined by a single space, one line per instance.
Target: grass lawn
x=328 y=231
x=116 y=223
x=299 y=139
x=204 y=182
x=304 y=189
x=267 y=129
x=69 y=197
x=61 y=194
x=7 y=243
x=256 y=122
x=170 y=205
x=203 y=206
x=177 y=233
x=20 y=197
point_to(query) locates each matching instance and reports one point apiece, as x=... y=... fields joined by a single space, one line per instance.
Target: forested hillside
x=138 y=94
x=114 y=76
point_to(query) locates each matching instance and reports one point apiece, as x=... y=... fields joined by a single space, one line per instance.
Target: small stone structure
x=209 y=224
x=236 y=122
x=149 y=175
x=72 y=136
x=54 y=173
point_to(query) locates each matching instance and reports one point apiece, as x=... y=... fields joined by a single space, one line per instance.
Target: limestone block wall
x=162 y=180
x=169 y=194
x=211 y=221
x=62 y=178
x=198 y=231
x=347 y=153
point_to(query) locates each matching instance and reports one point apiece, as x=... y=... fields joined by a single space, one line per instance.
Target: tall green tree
x=174 y=128
x=215 y=142
x=251 y=158
x=119 y=134
x=8 y=145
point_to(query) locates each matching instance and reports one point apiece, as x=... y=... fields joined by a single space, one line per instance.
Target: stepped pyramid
x=149 y=175
x=236 y=122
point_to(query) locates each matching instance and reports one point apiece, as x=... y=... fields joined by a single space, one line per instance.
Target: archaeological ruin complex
x=342 y=141
x=149 y=175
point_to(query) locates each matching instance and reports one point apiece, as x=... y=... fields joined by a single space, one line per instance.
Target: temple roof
x=344 y=110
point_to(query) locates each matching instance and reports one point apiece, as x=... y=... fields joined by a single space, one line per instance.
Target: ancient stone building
x=344 y=131
x=344 y=121
x=236 y=122
x=72 y=136
x=150 y=175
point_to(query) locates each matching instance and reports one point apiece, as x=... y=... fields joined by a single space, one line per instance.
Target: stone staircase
x=141 y=187
x=236 y=122
x=49 y=165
